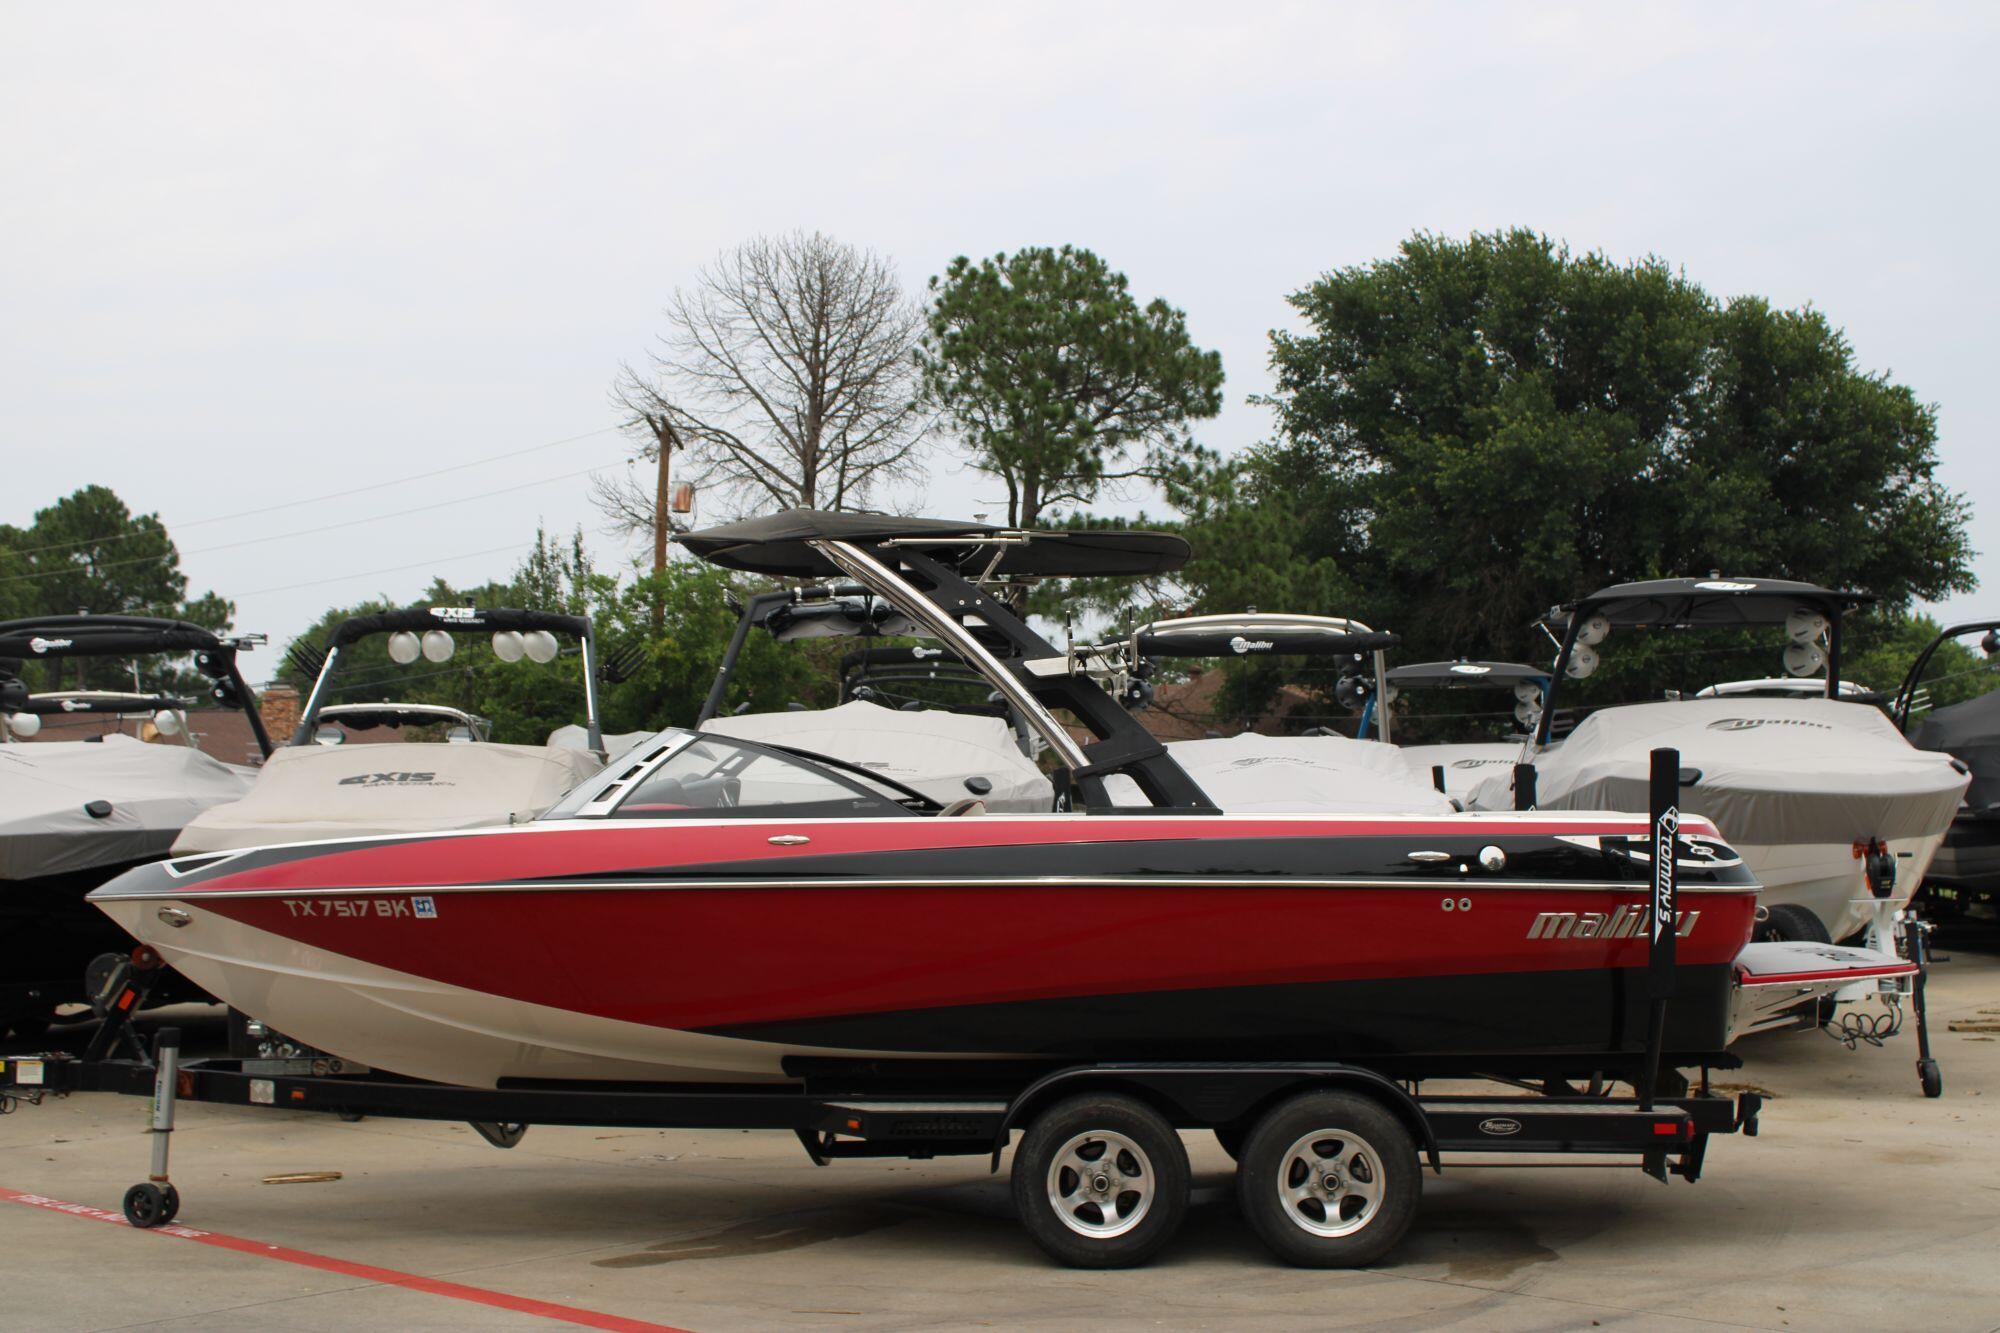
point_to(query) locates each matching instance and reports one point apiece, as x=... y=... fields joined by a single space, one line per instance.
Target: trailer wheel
x=151 y=1205
x=1931 y=1077
x=1789 y=921
x=1101 y=1181
x=1329 y=1180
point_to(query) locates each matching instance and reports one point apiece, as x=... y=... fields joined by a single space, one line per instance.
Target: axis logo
x=459 y=615
x=394 y=780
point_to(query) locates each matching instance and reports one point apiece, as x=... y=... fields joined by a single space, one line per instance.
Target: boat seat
x=964 y=805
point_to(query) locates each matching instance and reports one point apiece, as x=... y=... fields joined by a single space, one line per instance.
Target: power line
x=335 y=495
x=392 y=569
x=308 y=532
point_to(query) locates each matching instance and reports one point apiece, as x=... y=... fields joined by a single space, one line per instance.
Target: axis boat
x=320 y=786
x=74 y=813
x=1804 y=789
x=1967 y=865
x=1460 y=765
x=714 y=910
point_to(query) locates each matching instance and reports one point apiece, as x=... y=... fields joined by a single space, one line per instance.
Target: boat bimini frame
x=506 y=624
x=1810 y=614
x=45 y=638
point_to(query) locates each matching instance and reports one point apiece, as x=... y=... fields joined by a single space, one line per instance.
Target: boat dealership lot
x=1861 y=1204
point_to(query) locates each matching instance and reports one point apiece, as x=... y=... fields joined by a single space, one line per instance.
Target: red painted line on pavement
x=368 y=1272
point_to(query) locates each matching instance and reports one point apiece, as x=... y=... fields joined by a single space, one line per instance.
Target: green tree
x=1473 y=431
x=1058 y=379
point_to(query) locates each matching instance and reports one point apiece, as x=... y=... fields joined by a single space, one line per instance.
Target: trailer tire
x=1789 y=921
x=1329 y=1180
x=1101 y=1181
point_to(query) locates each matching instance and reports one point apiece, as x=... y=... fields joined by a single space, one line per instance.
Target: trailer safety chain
x=12 y=1101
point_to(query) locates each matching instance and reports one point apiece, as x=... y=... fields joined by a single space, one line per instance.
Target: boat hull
x=1828 y=879
x=1039 y=940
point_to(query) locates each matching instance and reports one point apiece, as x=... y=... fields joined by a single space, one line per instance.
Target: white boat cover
x=154 y=790
x=574 y=737
x=1300 y=775
x=931 y=750
x=311 y=792
x=1465 y=765
x=1773 y=771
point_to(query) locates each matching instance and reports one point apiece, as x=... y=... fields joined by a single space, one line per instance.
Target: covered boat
x=73 y=813
x=1806 y=789
x=1967 y=864
x=321 y=787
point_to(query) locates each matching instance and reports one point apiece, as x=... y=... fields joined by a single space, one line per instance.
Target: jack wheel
x=150 y=1205
x=1931 y=1077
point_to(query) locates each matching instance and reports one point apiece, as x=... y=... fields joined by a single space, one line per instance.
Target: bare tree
x=787 y=377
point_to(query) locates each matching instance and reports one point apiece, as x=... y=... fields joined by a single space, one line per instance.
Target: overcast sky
x=261 y=254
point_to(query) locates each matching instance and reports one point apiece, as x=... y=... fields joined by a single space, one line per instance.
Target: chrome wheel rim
x=1330 y=1182
x=1101 y=1184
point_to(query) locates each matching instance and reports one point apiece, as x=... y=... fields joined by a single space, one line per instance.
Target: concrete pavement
x=1861 y=1205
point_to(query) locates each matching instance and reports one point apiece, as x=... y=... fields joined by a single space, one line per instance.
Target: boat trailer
x=1330 y=1154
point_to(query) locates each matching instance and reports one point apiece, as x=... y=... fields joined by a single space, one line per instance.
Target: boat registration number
x=420 y=907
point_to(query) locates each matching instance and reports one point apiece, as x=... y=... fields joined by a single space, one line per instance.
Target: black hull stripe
x=1577 y=1015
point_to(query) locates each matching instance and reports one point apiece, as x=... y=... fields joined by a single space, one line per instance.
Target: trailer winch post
x=1665 y=791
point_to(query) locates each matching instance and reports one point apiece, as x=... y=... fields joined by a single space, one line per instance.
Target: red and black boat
x=710 y=910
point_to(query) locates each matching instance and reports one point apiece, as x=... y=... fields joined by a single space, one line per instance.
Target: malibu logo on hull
x=1627 y=923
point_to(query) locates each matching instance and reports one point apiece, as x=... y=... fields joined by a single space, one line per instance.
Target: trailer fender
x=1207 y=1095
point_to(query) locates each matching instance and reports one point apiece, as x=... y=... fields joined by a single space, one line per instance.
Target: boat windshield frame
x=602 y=794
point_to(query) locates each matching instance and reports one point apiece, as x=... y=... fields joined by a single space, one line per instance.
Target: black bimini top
x=1258 y=635
x=1465 y=674
x=104 y=636
x=1712 y=602
x=778 y=545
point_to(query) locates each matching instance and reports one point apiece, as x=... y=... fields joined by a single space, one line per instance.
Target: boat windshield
x=713 y=777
